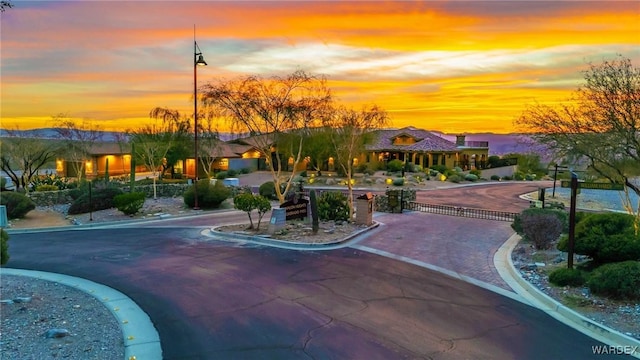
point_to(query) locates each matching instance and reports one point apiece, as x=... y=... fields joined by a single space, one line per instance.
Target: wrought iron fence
x=461 y=211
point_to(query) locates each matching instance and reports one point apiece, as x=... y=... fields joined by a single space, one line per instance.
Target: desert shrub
x=495 y=177
x=304 y=174
x=455 y=178
x=566 y=277
x=476 y=172
x=248 y=202
x=18 y=204
x=46 y=187
x=3 y=183
x=540 y=226
x=507 y=178
x=519 y=176
x=55 y=180
x=332 y=205
x=237 y=190
x=222 y=175
x=268 y=190
x=619 y=280
x=398 y=181
x=245 y=170
x=232 y=173
x=100 y=199
x=129 y=203
x=417 y=168
x=439 y=168
x=605 y=238
x=561 y=215
x=541 y=229
x=471 y=177
x=209 y=196
x=530 y=177
x=395 y=165
x=4 y=247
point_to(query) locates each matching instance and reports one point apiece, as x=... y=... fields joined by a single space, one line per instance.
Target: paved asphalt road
x=211 y=299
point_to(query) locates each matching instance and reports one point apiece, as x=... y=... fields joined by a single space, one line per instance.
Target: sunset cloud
x=444 y=65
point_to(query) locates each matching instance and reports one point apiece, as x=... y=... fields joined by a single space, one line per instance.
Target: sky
x=450 y=66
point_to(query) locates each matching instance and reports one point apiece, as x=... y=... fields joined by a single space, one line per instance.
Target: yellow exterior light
x=389 y=181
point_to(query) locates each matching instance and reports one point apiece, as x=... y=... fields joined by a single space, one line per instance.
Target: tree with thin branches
x=600 y=124
x=268 y=108
x=21 y=156
x=349 y=131
x=78 y=138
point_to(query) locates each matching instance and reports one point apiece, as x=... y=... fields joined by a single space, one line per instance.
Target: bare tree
x=21 y=157
x=269 y=108
x=151 y=147
x=209 y=143
x=176 y=127
x=600 y=124
x=4 y=4
x=78 y=138
x=349 y=130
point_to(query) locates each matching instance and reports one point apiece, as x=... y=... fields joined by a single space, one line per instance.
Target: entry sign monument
x=593 y=185
x=295 y=209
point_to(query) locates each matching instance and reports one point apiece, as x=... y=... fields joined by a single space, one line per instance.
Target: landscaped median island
x=604 y=283
x=299 y=232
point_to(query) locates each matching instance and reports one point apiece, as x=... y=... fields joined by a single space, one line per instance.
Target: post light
x=198 y=60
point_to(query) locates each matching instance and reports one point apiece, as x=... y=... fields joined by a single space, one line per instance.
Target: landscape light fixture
x=198 y=60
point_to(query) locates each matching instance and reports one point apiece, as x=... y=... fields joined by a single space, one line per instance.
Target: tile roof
x=425 y=141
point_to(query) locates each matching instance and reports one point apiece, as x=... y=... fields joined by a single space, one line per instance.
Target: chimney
x=460 y=140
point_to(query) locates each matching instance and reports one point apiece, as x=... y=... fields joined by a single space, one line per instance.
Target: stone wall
x=49 y=198
x=391 y=200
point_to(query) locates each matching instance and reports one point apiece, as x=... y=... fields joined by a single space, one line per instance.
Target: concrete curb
x=140 y=337
x=535 y=297
x=108 y=224
x=261 y=240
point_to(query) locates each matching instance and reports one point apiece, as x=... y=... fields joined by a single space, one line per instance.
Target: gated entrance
x=461 y=211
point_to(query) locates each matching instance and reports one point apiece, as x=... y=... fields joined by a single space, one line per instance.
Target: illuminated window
x=59 y=165
x=88 y=167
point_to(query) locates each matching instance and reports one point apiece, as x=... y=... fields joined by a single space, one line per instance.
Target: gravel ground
x=44 y=320
x=623 y=316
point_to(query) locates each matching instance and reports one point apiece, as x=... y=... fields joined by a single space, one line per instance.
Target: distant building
x=421 y=147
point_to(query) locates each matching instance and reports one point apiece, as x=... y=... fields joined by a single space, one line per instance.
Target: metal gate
x=461 y=211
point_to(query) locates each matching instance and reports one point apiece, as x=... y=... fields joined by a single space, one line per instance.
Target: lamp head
x=200 y=61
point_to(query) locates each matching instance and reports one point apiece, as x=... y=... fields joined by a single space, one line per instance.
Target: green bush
x=439 y=168
x=4 y=247
x=129 y=203
x=471 y=177
x=605 y=238
x=332 y=205
x=222 y=175
x=619 y=280
x=18 y=204
x=46 y=187
x=566 y=277
x=476 y=172
x=561 y=215
x=209 y=196
x=245 y=170
x=268 y=190
x=495 y=177
x=455 y=178
x=398 y=181
x=3 y=183
x=519 y=176
x=417 y=168
x=248 y=202
x=507 y=178
x=232 y=173
x=395 y=165
x=101 y=199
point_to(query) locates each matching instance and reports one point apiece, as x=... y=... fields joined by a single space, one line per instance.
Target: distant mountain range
x=499 y=144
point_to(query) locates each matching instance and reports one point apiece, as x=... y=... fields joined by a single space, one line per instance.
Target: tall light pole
x=198 y=60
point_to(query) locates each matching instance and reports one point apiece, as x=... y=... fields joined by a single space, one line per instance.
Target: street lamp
x=198 y=60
